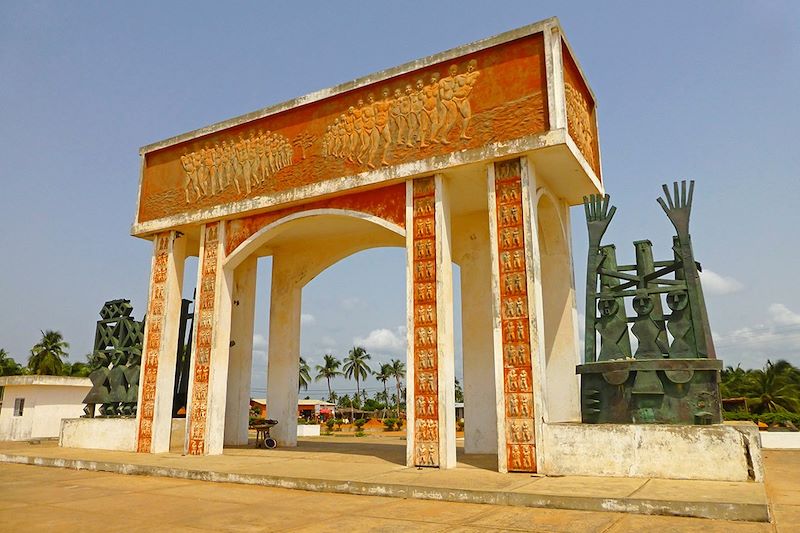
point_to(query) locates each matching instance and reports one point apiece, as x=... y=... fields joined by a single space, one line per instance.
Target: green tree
x=304 y=376
x=77 y=369
x=328 y=371
x=47 y=355
x=459 y=392
x=356 y=367
x=384 y=375
x=775 y=388
x=9 y=367
x=398 y=373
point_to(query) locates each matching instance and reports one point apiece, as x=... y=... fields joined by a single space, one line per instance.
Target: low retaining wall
x=725 y=452
x=780 y=440
x=99 y=433
x=308 y=430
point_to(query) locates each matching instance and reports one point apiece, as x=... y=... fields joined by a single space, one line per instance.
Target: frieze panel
x=493 y=95
x=426 y=430
x=580 y=106
x=204 y=340
x=154 y=325
x=514 y=320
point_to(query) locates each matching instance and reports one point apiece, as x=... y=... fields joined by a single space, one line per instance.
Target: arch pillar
x=157 y=373
x=471 y=240
x=208 y=379
x=283 y=361
x=237 y=409
x=430 y=394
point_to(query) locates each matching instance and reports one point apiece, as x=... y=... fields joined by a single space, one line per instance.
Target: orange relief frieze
x=204 y=339
x=426 y=430
x=514 y=320
x=155 y=321
x=387 y=203
x=580 y=112
x=492 y=95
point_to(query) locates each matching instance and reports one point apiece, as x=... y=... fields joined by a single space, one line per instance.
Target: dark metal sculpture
x=116 y=362
x=673 y=376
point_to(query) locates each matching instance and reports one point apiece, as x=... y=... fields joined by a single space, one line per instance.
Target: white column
x=157 y=377
x=283 y=362
x=240 y=364
x=205 y=427
x=474 y=258
x=444 y=306
x=535 y=304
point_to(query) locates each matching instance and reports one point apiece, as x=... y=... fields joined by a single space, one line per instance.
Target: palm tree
x=398 y=373
x=8 y=367
x=775 y=389
x=328 y=370
x=384 y=375
x=356 y=367
x=305 y=378
x=46 y=355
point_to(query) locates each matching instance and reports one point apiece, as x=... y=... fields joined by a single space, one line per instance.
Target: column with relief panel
x=430 y=369
x=205 y=427
x=156 y=381
x=517 y=308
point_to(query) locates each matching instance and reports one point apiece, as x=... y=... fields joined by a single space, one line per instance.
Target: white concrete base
x=720 y=453
x=780 y=440
x=99 y=433
x=308 y=430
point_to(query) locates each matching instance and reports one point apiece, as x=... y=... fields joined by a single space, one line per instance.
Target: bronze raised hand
x=679 y=209
x=598 y=216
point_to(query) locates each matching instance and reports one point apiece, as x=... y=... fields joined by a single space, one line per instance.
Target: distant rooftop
x=58 y=381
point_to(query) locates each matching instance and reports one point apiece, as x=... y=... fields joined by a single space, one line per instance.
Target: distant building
x=308 y=409
x=459 y=410
x=31 y=407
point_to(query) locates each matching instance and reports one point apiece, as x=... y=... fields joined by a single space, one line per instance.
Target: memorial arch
x=471 y=156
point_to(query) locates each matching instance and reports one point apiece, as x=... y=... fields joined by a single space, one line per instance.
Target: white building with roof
x=32 y=407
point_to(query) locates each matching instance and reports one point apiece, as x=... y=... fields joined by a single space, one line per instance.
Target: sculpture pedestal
x=651 y=391
x=721 y=452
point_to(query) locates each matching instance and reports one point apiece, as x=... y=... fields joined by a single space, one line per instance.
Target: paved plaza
x=38 y=497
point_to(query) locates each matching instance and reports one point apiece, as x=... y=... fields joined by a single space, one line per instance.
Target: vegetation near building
x=770 y=394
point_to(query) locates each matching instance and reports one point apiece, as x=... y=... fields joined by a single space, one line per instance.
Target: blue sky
x=685 y=90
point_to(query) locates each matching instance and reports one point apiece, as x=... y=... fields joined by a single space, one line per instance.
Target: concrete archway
x=302 y=245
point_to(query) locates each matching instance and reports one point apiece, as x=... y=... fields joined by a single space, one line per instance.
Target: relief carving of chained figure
x=245 y=163
x=415 y=114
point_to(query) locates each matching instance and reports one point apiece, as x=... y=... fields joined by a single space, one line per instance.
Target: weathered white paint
x=561 y=350
x=237 y=410
x=48 y=400
x=535 y=302
x=307 y=430
x=444 y=325
x=780 y=440
x=117 y=434
x=720 y=452
x=471 y=253
x=167 y=354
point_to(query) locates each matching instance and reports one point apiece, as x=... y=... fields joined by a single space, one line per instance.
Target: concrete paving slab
x=309 y=467
x=701 y=491
x=676 y=524
x=516 y=518
x=586 y=486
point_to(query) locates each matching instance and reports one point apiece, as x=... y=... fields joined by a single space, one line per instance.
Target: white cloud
x=259 y=342
x=352 y=303
x=783 y=316
x=307 y=319
x=718 y=284
x=777 y=338
x=384 y=340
